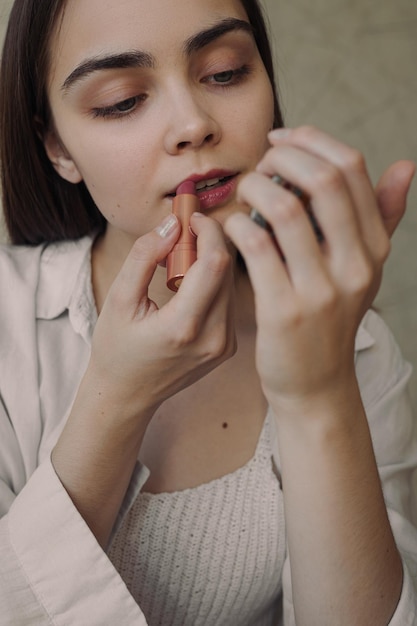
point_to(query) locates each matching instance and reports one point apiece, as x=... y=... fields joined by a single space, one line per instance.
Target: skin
x=163 y=365
x=190 y=122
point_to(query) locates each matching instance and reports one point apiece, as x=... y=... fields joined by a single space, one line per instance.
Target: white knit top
x=211 y=555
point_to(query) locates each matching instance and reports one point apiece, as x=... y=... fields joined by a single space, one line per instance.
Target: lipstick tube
x=184 y=253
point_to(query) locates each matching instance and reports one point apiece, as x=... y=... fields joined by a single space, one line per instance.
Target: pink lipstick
x=184 y=253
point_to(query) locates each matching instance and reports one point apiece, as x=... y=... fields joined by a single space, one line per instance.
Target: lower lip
x=218 y=195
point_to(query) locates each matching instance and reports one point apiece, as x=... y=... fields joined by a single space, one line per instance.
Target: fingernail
x=198 y=215
x=166 y=226
x=279 y=133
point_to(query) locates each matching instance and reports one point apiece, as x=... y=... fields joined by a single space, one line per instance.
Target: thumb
x=391 y=193
x=131 y=284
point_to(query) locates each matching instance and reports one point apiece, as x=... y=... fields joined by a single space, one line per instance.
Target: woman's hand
x=309 y=306
x=146 y=354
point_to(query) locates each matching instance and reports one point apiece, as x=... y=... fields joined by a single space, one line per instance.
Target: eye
x=223 y=77
x=120 y=109
x=228 y=78
x=126 y=105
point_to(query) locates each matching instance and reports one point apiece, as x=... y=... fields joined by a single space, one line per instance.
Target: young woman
x=238 y=451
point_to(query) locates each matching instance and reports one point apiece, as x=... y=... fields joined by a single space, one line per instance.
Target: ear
x=60 y=158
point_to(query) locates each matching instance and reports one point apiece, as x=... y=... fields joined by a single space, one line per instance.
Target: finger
x=391 y=192
x=291 y=226
x=131 y=284
x=329 y=194
x=352 y=166
x=266 y=268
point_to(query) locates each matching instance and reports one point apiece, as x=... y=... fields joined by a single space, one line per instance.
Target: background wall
x=4 y=11
x=349 y=66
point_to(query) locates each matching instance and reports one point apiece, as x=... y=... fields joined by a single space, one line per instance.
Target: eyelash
x=113 y=111
x=236 y=76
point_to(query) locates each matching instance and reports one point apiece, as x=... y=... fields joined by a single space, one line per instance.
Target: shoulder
x=19 y=275
x=30 y=276
x=19 y=262
x=23 y=263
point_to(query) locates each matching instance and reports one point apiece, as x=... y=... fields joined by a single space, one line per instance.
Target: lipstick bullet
x=184 y=253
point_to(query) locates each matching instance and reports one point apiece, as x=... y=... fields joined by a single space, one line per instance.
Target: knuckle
x=324 y=301
x=360 y=277
x=329 y=178
x=218 y=344
x=184 y=334
x=219 y=260
x=329 y=299
x=354 y=162
x=293 y=319
x=256 y=241
x=291 y=316
x=290 y=209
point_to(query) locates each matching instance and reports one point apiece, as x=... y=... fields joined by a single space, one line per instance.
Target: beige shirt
x=52 y=570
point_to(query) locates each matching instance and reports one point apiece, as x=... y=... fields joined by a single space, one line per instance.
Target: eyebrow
x=205 y=37
x=140 y=59
x=125 y=60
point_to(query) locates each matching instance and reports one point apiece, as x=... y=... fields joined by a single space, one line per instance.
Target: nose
x=191 y=123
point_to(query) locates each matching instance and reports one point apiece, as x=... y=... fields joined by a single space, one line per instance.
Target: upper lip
x=197 y=178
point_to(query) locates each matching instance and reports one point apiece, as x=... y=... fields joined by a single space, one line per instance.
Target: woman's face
x=148 y=93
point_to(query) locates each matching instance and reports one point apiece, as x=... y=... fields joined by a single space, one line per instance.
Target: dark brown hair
x=40 y=206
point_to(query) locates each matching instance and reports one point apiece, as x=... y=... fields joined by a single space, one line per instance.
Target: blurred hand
x=309 y=306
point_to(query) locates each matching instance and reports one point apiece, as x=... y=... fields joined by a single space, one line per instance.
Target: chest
x=208 y=430
x=209 y=555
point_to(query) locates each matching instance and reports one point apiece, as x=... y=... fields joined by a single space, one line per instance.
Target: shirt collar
x=65 y=284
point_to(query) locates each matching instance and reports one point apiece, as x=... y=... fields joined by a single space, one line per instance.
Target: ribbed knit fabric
x=211 y=555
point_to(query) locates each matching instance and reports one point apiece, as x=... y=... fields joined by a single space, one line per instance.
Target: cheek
x=255 y=119
x=113 y=187
x=108 y=165
x=253 y=129
x=116 y=175
x=264 y=106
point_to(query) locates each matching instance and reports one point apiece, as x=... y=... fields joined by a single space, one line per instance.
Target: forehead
x=91 y=27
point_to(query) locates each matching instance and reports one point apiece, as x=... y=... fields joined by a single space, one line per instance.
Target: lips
x=217 y=193
x=210 y=179
x=213 y=188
